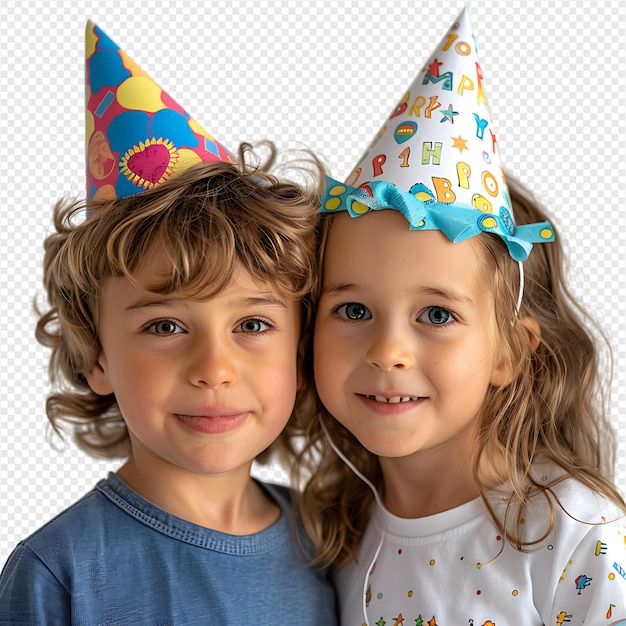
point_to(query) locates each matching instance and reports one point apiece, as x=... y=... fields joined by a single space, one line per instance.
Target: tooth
x=393 y=399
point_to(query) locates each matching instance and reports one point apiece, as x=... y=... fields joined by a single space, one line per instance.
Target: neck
x=428 y=482
x=231 y=503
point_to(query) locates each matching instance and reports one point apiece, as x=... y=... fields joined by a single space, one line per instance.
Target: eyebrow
x=342 y=288
x=448 y=294
x=150 y=301
x=267 y=300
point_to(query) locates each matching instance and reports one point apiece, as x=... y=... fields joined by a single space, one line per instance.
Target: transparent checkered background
x=322 y=74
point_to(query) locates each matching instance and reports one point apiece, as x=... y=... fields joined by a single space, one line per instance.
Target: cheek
x=331 y=366
x=141 y=380
x=322 y=348
x=137 y=389
x=463 y=371
x=274 y=375
x=285 y=383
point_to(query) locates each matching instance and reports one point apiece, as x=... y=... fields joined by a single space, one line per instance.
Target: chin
x=389 y=449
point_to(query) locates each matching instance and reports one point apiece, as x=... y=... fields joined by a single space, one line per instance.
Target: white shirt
x=456 y=569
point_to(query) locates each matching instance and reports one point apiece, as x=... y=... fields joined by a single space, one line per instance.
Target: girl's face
x=405 y=335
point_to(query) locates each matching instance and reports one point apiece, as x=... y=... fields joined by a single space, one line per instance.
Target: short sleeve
x=592 y=587
x=30 y=593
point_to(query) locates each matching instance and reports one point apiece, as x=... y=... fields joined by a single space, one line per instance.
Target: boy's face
x=203 y=386
x=405 y=335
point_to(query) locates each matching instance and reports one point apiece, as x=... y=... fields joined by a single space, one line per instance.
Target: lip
x=213 y=421
x=390 y=403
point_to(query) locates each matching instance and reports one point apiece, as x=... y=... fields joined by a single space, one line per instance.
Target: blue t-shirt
x=115 y=558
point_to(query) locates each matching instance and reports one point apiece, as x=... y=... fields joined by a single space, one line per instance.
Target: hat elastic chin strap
x=369 y=483
x=521 y=288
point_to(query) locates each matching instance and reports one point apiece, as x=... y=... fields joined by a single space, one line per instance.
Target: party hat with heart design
x=435 y=158
x=137 y=136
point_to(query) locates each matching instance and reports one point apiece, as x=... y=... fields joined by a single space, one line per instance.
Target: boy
x=175 y=322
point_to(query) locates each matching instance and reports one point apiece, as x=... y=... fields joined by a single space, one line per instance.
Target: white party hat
x=435 y=158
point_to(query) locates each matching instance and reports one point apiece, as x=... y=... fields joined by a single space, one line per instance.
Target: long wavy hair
x=206 y=220
x=555 y=405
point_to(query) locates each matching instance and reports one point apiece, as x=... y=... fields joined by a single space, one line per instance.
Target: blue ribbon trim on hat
x=456 y=221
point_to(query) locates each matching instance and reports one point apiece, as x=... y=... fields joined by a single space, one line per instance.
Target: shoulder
x=560 y=495
x=572 y=499
x=591 y=523
x=84 y=527
x=38 y=574
x=93 y=509
x=292 y=574
x=294 y=535
x=559 y=516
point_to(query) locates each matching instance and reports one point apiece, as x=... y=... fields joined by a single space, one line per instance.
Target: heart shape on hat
x=150 y=163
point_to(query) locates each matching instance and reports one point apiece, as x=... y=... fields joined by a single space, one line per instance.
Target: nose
x=211 y=363
x=390 y=349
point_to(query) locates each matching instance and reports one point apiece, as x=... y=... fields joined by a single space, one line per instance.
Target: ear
x=503 y=370
x=534 y=331
x=97 y=377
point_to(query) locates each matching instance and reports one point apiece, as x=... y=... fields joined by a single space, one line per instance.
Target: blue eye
x=164 y=327
x=353 y=311
x=436 y=315
x=253 y=326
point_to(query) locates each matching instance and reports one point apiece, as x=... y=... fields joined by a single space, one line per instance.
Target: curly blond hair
x=205 y=220
x=555 y=406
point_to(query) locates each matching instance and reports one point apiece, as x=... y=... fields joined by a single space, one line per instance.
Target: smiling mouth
x=393 y=399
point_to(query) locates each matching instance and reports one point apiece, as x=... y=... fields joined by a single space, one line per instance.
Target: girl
x=471 y=481
x=175 y=322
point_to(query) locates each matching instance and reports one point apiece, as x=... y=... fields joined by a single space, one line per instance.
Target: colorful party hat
x=435 y=158
x=137 y=136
